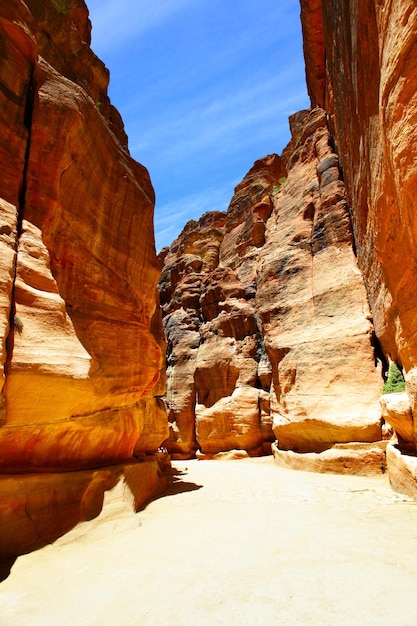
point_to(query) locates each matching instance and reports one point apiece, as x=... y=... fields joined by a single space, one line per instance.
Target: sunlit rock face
x=82 y=341
x=370 y=93
x=277 y=333
x=361 y=66
x=218 y=374
x=313 y=305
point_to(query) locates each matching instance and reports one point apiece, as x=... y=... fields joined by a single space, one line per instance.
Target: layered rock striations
x=274 y=330
x=217 y=372
x=361 y=66
x=82 y=345
x=313 y=306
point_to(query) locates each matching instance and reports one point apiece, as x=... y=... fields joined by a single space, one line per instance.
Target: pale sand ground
x=256 y=544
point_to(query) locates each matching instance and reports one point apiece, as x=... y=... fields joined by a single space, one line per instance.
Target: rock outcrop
x=218 y=374
x=313 y=306
x=361 y=67
x=274 y=329
x=82 y=342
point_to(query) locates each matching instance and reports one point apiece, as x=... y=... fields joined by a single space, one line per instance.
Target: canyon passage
x=284 y=326
x=233 y=542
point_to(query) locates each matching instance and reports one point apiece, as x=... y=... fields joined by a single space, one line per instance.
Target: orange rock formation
x=338 y=235
x=313 y=305
x=218 y=375
x=361 y=66
x=82 y=345
x=275 y=330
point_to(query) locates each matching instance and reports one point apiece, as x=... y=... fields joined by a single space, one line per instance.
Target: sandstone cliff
x=324 y=264
x=361 y=67
x=81 y=338
x=266 y=315
x=218 y=374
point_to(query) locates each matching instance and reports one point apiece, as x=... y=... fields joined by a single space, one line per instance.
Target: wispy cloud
x=212 y=119
x=116 y=22
x=205 y=88
x=171 y=217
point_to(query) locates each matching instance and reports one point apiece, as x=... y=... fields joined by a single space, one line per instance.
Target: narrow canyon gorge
x=266 y=329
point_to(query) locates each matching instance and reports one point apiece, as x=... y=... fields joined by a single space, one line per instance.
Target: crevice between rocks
x=14 y=323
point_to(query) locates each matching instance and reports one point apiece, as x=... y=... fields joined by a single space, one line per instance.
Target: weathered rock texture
x=218 y=375
x=81 y=344
x=361 y=66
x=266 y=313
x=313 y=305
x=361 y=459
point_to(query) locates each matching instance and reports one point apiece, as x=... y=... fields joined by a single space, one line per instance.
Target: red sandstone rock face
x=279 y=333
x=371 y=95
x=367 y=55
x=312 y=301
x=82 y=341
x=82 y=290
x=218 y=375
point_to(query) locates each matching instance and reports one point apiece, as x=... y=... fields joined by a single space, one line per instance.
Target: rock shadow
x=6 y=567
x=176 y=484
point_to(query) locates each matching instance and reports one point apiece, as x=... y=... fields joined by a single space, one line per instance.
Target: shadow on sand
x=177 y=484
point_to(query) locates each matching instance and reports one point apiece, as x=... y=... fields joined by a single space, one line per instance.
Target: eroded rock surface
x=218 y=374
x=361 y=67
x=278 y=332
x=313 y=305
x=82 y=345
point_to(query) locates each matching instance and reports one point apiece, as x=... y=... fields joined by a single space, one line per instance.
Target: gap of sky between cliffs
x=204 y=88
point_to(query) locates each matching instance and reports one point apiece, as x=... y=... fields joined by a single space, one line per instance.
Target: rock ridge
x=361 y=68
x=273 y=338
x=82 y=349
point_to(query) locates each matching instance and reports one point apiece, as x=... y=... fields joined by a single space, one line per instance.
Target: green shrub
x=276 y=188
x=60 y=5
x=261 y=351
x=395 y=382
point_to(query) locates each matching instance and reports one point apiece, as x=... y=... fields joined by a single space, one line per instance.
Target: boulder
x=402 y=471
x=396 y=410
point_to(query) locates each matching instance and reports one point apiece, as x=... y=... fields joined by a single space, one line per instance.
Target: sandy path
x=254 y=545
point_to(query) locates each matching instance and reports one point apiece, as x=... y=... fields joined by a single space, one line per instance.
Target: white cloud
x=171 y=217
x=205 y=88
x=221 y=122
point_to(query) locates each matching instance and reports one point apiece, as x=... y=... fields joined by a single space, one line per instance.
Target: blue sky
x=205 y=87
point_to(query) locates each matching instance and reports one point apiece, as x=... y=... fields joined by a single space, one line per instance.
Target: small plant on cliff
x=395 y=382
x=276 y=188
x=18 y=324
x=261 y=351
x=60 y=5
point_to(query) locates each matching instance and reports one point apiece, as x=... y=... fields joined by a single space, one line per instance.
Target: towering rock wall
x=81 y=338
x=218 y=375
x=266 y=314
x=313 y=305
x=361 y=66
x=370 y=95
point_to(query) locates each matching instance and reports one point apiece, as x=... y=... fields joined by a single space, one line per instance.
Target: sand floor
x=236 y=543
